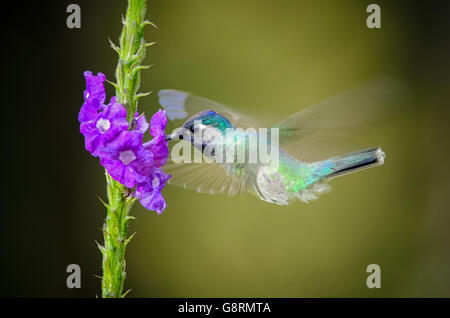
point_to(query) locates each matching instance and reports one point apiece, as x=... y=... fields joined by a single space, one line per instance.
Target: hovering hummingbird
x=294 y=178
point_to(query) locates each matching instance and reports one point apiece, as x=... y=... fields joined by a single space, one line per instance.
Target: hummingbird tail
x=310 y=180
x=353 y=162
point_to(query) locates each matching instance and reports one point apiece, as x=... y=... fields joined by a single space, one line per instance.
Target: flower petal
x=149 y=193
x=159 y=147
x=141 y=122
x=94 y=86
x=154 y=201
x=158 y=123
x=89 y=111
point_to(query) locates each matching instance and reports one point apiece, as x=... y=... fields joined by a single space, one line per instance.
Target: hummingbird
x=295 y=177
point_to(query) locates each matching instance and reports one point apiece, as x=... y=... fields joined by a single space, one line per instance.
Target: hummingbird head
x=200 y=122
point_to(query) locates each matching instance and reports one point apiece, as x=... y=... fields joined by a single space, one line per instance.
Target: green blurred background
x=264 y=57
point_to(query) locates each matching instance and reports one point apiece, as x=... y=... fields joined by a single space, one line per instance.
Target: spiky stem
x=131 y=54
x=115 y=236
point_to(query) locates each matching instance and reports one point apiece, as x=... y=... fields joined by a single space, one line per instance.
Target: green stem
x=115 y=236
x=131 y=54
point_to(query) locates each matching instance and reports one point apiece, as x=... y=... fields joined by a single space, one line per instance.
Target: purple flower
x=159 y=148
x=121 y=152
x=126 y=160
x=158 y=123
x=94 y=97
x=149 y=193
x=140 y=122
x=104 y=128
x=94 y=86
x=158 y=145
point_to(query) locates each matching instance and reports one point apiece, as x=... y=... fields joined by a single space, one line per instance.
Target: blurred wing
x=205 y=177
x=333 y=125
x=181 y=105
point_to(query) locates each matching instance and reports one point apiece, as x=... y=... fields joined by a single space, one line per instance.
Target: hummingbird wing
x=331 y=126
x=205 y=177
x=181 y=105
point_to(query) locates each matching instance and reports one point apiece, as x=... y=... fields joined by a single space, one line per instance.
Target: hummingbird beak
x=175 y=135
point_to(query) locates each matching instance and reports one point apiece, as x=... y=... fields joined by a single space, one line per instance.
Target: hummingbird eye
x=181 y=137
